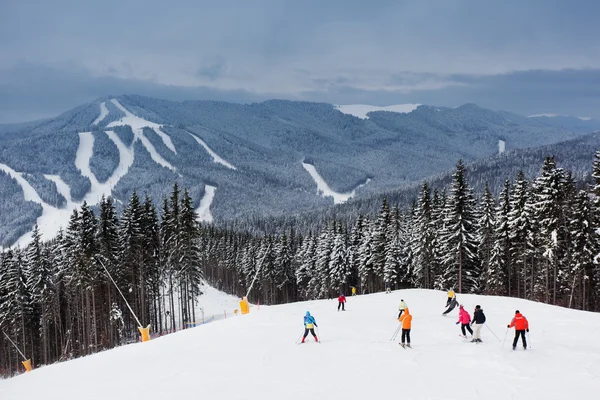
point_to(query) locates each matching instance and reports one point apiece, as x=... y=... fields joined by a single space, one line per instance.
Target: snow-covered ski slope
x=255 y=356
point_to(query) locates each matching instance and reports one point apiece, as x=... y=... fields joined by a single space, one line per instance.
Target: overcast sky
x=527 y=56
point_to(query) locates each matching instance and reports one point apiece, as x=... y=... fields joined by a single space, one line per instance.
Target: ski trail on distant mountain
x=203 y=209
x=138 y=124
x=103 y=114
x=152 y=150
x=84 y=154
x=52 y=218
x=324 y=190
x=28 y=190
x=501 y=146
x=63 y=188
x=82 y=162
x=216 y=158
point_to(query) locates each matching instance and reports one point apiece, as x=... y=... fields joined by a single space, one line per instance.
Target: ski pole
x=395 y=333
x=528 y=339
x=297 y=340
x=493 y=333
x=505 y=335
x=318 y=335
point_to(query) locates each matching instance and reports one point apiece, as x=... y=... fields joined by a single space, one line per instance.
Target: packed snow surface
x=361 y=110
x=323 y=188
x=203 y=209
x=216 y=158
x=103 y=114
x=255 y=356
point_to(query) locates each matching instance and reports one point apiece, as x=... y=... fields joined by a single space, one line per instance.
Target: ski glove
x=527 y=329
x=508 y=326
x=457 y=322
x=316 y=325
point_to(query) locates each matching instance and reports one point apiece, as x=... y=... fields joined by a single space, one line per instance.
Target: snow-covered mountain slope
x=243 y=160
x=255 y=356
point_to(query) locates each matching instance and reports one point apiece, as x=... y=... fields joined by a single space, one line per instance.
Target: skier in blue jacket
x=309 y=325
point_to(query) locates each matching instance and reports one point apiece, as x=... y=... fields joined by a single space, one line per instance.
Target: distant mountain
x=239 y=161
x=575 y=124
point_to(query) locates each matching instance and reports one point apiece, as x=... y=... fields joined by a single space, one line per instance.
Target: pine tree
x=486 y=232
x=585 y=246
x=459 y=243
x=496 y=277
x=520 y=231
x=422 y=241
x=549 y=194
x=338 y=263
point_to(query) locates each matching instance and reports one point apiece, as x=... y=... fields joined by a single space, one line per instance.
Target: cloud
x=309 y=49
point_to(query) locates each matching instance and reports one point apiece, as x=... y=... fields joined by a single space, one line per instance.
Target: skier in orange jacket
x=406 y=320
x=521 y=325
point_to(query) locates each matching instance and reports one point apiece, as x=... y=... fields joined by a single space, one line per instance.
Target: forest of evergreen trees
x=538 y=240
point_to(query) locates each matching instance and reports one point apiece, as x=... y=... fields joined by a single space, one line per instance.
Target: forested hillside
x=252 y=156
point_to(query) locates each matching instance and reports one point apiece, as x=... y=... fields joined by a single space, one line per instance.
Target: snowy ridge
x=243 y=356
x=501 y=146
x=203 y=209
x=137 y=125
x=216 y=158
x=557 y=115
x=324 y=190
x=103 y=114
x=361 y=110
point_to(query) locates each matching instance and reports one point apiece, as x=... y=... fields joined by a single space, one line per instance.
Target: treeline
x=57 y=300
x=538 y=240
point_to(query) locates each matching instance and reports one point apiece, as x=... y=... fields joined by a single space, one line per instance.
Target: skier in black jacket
x=478 y=320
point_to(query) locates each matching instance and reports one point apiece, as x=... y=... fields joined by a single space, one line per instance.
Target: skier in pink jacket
x=464 y=319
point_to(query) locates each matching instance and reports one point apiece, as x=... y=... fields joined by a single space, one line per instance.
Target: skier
x=353 y=291
x=402 y=307
x=521 y=325
x=451 y=306
x=387 y=288
x=464 y=318
x=450 y=297
x=341 y=301
x=478 y=320
x=406 y=321
x=309 y=325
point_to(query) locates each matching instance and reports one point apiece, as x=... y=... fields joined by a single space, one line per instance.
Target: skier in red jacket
x=521 y=325
x=464 y=318
x=341 y=301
